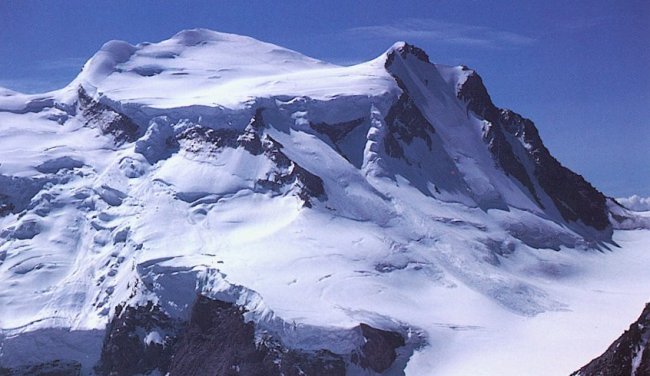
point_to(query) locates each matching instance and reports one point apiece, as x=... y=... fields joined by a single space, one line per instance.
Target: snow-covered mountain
x=213 y=203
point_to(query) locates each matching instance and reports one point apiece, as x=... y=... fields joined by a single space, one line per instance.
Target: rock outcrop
x=218 y=340
x=629 y=355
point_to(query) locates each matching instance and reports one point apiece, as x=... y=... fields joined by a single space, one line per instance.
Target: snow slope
x=316 y=196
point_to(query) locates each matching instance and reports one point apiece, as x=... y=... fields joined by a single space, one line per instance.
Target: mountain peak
x=405 y=49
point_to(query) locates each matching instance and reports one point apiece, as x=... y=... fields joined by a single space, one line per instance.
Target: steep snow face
x=315 y=197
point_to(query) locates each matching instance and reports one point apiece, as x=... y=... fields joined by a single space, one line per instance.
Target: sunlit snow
x=97 y=217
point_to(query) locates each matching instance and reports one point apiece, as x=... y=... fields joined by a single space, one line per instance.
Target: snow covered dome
x=202 y=67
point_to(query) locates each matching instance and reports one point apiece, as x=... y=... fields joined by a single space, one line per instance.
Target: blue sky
x=579 y=69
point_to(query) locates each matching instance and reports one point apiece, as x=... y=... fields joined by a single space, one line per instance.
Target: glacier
x=330 y=206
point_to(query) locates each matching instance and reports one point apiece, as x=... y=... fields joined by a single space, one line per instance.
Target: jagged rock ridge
x=573 y=196
x=217 y=340
x=629 y=355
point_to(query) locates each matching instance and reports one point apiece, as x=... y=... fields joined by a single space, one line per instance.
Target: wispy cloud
x=431 y=30
x=579 y=23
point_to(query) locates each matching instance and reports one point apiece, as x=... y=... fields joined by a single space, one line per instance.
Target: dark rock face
x=629 y=355
x=478 y=101
x=336 y=132
x=250 y=139
x=291 y=174
x=215 y=341
x=477 y=98
x=345 y=137
x=514 y=144
x=574 y=197
x=109 y=120
x=378 y=352
x=416 y=151
x=53 y=368
x=125 y=350
x=502 y=151
x=404 y=51
x=405 y=122
x=286 y=175
x=197 y=137
x=17 y=192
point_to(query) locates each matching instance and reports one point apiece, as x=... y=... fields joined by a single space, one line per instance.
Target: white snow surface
x=202 y=67
x=99 y=221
